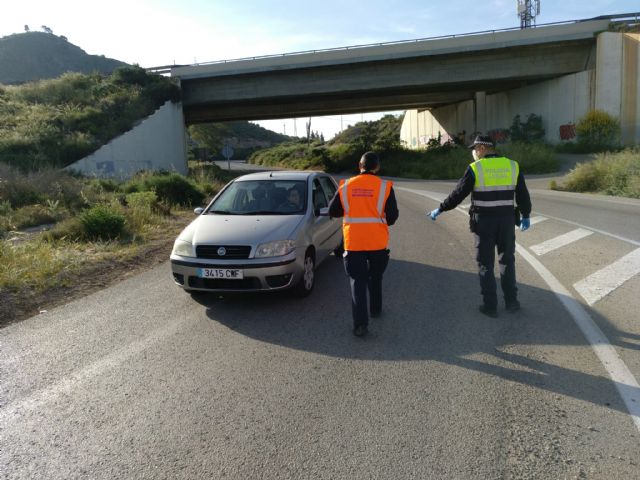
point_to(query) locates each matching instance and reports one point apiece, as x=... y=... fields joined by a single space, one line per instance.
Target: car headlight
x=182 y=248
x=275 y=249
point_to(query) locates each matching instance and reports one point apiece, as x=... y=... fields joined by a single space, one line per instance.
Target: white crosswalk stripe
x=537 y=219
x=599 y=284
x=560 y=241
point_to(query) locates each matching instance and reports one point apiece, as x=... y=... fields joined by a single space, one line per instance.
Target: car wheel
x=339 y=250
x=306 y=283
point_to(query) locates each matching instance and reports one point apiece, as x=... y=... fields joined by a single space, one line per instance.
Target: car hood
x=240 y=230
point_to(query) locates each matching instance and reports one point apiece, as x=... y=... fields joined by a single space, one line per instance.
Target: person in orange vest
x=368 y=207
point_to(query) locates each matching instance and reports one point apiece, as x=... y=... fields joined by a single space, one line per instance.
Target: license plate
x=226 y=273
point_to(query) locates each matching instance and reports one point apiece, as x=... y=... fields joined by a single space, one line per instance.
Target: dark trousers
x=496 y=233
x=365 y=270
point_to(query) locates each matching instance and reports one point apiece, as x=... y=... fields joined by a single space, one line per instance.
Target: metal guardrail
x=614 y=18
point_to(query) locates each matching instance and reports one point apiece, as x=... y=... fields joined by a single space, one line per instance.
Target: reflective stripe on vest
x=364 y=220
x=493 y=203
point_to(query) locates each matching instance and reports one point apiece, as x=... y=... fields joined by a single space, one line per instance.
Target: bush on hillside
x=170 y=188
x=598 y=131
x=102 y=223
x=610 y=173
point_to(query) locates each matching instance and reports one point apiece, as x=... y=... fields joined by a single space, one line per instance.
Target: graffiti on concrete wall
x=568 y=131
x=499 y=135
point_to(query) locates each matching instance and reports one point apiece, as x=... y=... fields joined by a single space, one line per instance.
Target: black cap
x=482 y=140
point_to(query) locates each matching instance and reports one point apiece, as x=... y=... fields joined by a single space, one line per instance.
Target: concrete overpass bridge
x=466 y=83
x=404 y=75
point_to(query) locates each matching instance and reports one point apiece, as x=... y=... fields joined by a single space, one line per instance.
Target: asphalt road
x=143 y=381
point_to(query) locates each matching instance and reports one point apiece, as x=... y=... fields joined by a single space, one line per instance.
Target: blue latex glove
x=525 y=223
x=434 y=213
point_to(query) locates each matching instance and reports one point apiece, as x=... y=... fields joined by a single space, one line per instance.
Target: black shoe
x=513 y=306
x=360 y=331
x=375 y=314
x=488 y=311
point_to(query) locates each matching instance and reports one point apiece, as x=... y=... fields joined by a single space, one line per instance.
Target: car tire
x=306 y=283
x=339 y=250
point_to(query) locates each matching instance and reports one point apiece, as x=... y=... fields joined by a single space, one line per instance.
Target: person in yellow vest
x=368 y=206
x=493 y=181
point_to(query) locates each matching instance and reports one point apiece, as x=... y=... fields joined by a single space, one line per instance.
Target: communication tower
x=527 y=11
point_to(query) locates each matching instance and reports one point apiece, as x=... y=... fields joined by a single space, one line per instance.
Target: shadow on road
x=420 y=323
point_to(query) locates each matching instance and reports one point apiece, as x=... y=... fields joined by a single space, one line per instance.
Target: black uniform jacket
x=390 y=207
x=465 y=187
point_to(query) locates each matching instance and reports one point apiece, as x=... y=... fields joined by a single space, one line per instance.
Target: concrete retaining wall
x=157 y=143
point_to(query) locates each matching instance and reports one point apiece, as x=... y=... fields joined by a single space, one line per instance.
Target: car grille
x=248 y=283
x=233 y=252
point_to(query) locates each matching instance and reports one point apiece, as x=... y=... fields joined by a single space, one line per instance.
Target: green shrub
x=174 y=189
x=102 y=223
x=529 y=131
x=532 y=157
x=598 y=131
x=71 y=229
x=32 y=216
x=610 y=173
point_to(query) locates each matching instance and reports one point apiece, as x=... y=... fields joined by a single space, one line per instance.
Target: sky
x=164 y=32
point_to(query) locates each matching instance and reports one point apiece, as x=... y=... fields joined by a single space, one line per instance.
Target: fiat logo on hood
x=222 y=251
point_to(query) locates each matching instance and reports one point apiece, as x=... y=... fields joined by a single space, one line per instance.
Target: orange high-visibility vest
x=364 y=225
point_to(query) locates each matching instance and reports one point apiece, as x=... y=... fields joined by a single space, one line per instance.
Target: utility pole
x=295 y=127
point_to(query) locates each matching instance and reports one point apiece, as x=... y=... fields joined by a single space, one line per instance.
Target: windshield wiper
x=221 y=212
x=263 y=212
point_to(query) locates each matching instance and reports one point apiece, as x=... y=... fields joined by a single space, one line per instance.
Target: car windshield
x=262 y=197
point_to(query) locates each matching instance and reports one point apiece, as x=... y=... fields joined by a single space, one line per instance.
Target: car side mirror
x=198 y=210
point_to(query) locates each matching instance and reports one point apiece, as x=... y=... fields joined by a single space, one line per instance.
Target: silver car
x=263 y=231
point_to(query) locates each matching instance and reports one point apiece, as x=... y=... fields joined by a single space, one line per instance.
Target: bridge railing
x=623 y=17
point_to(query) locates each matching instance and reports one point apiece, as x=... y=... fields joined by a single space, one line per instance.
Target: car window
x=319 y=197
x=328 y=186
x=262 y=197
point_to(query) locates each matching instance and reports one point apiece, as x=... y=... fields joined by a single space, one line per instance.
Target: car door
x=330 y=189
x=323 y=226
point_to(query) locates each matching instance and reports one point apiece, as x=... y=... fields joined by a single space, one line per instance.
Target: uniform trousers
x=495 y=233
x=365 y=270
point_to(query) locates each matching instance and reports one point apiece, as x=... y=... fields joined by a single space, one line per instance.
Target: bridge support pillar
x=480 y=112
x=618 y=81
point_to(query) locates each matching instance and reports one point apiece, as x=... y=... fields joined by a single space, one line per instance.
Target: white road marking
x=622 y=378
x=538 y=219
x=560 y=241
x=602 y=232
x=601 y=283
x=68 y=384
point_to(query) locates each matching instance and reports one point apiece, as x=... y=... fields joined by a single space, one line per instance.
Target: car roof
x=279 y=175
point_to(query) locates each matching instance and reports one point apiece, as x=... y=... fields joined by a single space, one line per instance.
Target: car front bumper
x=258 y=275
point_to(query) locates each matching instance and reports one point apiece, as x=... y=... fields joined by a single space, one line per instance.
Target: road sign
x=227 y=152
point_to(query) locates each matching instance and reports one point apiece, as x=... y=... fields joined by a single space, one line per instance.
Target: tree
x=46 y=29
x=26 y=28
